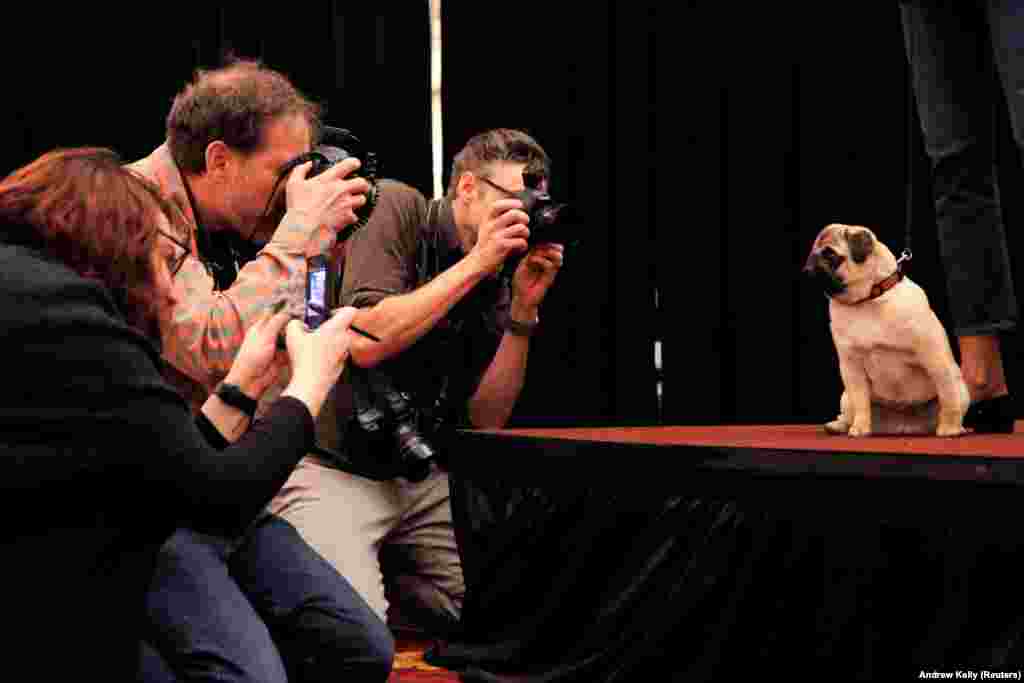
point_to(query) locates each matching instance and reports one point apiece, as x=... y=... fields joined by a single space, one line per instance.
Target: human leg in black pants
x=958 y=52
x=269 y=610
x=324 y=630
x=153 y=668
x=200 y=622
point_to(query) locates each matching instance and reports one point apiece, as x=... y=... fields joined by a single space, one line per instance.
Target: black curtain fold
x=582 y=579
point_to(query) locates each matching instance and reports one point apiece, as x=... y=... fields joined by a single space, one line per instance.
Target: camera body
x=337 y=145
x=551 y=222
x=336 y=148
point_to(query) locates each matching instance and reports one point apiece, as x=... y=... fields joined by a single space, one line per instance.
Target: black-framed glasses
x=531 y=181
x=175 y=265
x=496 y=186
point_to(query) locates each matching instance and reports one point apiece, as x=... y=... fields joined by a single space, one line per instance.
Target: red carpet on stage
x=409 y=665
x=789 y=437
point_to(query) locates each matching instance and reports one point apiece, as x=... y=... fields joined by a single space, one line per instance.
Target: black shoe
x=991 y=416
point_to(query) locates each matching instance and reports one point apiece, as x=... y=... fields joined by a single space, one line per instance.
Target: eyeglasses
x=498 y=187
x=531 y=181
x=175 y=264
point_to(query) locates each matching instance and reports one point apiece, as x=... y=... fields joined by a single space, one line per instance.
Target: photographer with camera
x=452 y=288
x=86 y=252
x=263 y=606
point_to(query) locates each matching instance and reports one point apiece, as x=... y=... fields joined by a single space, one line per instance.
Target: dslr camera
x=338 y=144
x=551 y=221
x=390 y=427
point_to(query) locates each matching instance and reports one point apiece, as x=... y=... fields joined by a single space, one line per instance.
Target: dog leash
x=906 y=255
x=911 y=135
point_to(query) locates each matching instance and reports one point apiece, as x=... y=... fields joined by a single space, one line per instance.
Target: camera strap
x=428 y=254
x=222 y=253
x=368 y=432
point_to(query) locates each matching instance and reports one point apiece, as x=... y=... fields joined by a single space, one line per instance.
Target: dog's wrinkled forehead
x=830 y=236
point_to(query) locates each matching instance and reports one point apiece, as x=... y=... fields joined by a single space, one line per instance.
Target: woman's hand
x=318 y=358
x=259 y=363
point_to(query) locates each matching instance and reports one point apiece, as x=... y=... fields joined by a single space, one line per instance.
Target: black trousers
x=960 y=53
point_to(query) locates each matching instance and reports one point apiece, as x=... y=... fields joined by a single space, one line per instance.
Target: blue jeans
x=960 y=54
x=267 y=608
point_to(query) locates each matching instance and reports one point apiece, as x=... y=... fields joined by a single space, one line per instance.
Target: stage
x=613 y=553
x=778 y=449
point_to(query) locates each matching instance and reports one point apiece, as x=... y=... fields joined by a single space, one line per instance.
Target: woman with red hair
x=88 y=250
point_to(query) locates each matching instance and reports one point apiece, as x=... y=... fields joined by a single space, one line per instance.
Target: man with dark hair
x=266 y=606
x=453 y=350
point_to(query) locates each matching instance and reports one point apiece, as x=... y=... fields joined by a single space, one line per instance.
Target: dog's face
x=842 y=257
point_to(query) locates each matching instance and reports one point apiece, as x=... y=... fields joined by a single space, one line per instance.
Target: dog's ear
x=861 y=245
x=811 y=263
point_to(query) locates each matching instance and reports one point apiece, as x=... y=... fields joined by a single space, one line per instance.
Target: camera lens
x=370 y=419
x=411 y=445
x=414 y=451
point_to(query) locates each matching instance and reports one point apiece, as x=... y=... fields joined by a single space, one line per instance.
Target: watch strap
x=521 y=329
x=233 y=395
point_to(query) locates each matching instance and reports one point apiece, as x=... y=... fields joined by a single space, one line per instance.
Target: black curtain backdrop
x=107 y=76
x=707 y=145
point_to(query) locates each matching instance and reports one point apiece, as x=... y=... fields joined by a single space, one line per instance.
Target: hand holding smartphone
x=316 y=311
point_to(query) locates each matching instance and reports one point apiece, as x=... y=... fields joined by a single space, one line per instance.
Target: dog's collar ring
x=907 y=255
x=888 y=283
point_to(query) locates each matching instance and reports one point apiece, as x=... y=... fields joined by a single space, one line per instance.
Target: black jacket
x=100 y=460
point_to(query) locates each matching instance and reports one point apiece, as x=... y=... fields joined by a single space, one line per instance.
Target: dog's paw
x=950 y=430
x=837 y=427
x=859 y=430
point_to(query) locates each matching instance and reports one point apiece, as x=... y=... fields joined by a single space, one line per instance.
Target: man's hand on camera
x=329 y=199
x=505 y=231
x=532 y=279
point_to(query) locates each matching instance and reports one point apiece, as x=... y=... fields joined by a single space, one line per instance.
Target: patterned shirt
x=208 y=325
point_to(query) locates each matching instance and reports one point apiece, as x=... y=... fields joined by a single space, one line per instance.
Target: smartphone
x=316 y=292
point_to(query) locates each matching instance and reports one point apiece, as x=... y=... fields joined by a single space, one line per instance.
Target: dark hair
x=233 y=103
x=499 y=144
x=96 y=216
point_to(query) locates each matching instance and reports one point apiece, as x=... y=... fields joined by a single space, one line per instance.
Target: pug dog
x=898 y=369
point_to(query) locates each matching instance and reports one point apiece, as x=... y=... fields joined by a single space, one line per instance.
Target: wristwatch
x=519 y=328
x=233 y=395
